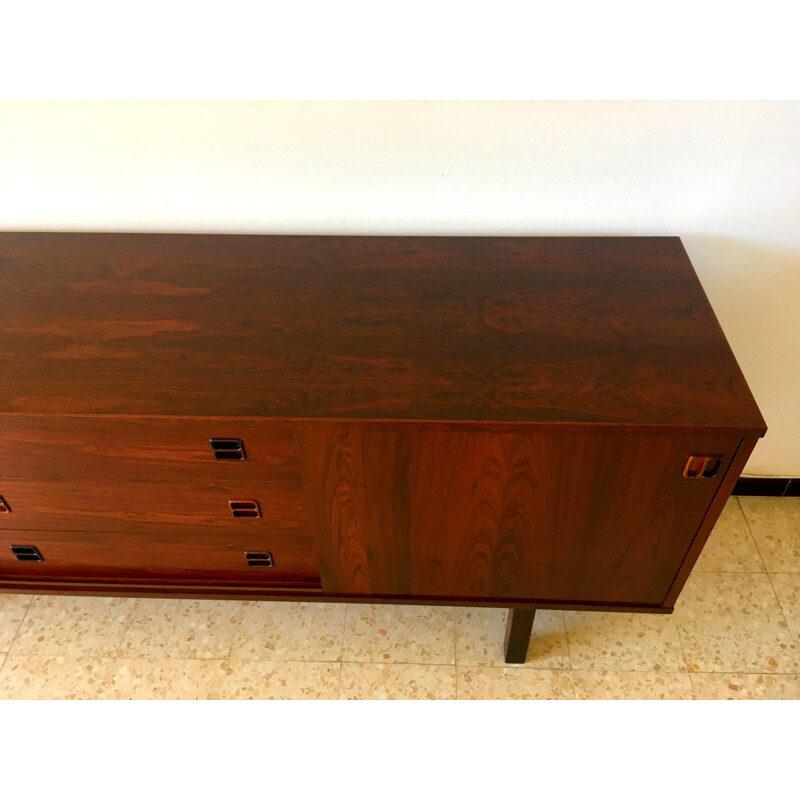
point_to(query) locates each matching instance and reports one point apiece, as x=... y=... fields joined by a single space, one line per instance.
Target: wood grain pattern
x=156 y=449
x=160 y=555
x=592 y=329
x=357 y=491
x=458 y=420
x=81 y=505
x=537 y=516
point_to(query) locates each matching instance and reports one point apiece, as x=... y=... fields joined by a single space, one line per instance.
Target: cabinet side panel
x=715 y=509
x=357 y=490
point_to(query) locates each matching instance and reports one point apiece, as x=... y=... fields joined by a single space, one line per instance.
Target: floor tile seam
x=338 y=682
x=566 y=638
x=508 y=667
x=769 y=578
x=745 y=672
x=232 y=659
x=752 y=535
x=344 y=633
x=683 y=648
x=780 y=606
x=731 y=571
x=122 y=660
x=566 y=672
x=456 y=615
x=452 y=612
x=21 y=623
x=742 y=672
x=694 y=688
x=681 y=669
x=402 y=663
x=127 y=626
x=341 y=655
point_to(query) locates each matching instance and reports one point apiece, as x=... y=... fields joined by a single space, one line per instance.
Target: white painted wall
x=724 y=176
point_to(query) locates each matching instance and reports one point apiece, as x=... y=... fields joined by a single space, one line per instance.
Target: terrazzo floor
x=735 y=634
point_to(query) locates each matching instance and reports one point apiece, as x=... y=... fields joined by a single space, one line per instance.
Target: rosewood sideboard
x=519 y=422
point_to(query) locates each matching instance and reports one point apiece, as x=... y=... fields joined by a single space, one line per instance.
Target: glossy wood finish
x=136 y=504
x=57 y=448
x=453 y=420
x=518 y=634
x=712 y=515
x=161 y=555
x=601 y=330
x=541 y=515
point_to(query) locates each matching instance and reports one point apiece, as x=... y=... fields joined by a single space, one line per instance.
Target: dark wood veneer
x=453 y=420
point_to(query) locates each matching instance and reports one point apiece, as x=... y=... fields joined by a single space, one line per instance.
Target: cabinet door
x=550 y=515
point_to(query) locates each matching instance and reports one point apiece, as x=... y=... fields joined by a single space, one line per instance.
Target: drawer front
x=129 y=505
x=160 y=555
x=155 y=449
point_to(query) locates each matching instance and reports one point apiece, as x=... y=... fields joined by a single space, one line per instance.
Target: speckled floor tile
x=787 y=588
x=507 y=683
x=732 y=622
x=398 y=682
x=36 y=677
x=730 y=548
x=277 y=680
x=724 y=686
x=162 y=678
x=289 y=631
x=407 y=634
x=480 y=633
x=73 y=626
x=775 y=523
x=631 y=685
x=617 y=641
x=174 y=628
x=214 y=679
x=12 y=610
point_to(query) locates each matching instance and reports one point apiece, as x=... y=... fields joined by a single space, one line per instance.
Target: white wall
x=724 y=176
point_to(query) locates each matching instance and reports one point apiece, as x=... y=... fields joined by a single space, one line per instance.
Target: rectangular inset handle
x=26 y=552
x=245 y=508
x=702 y=466
x=228 y=449
x=262 y=559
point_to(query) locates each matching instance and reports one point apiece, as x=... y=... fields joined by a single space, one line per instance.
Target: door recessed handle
x=702 y=466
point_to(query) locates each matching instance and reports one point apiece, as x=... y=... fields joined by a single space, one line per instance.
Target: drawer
x=131 y=505
x=157 y=449
x=160 y=555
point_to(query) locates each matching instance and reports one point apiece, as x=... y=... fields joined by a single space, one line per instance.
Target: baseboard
x=767 y=487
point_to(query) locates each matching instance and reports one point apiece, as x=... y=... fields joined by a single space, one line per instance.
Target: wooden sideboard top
x=491 y=329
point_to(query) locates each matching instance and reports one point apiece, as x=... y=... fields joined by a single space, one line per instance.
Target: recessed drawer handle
x=244 y=508
x=26 y=552
x=228 y=449
x=4 y=507
x=262 y=559
x=702 y=466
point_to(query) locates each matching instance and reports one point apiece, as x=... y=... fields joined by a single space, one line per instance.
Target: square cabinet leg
x=518 y=634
